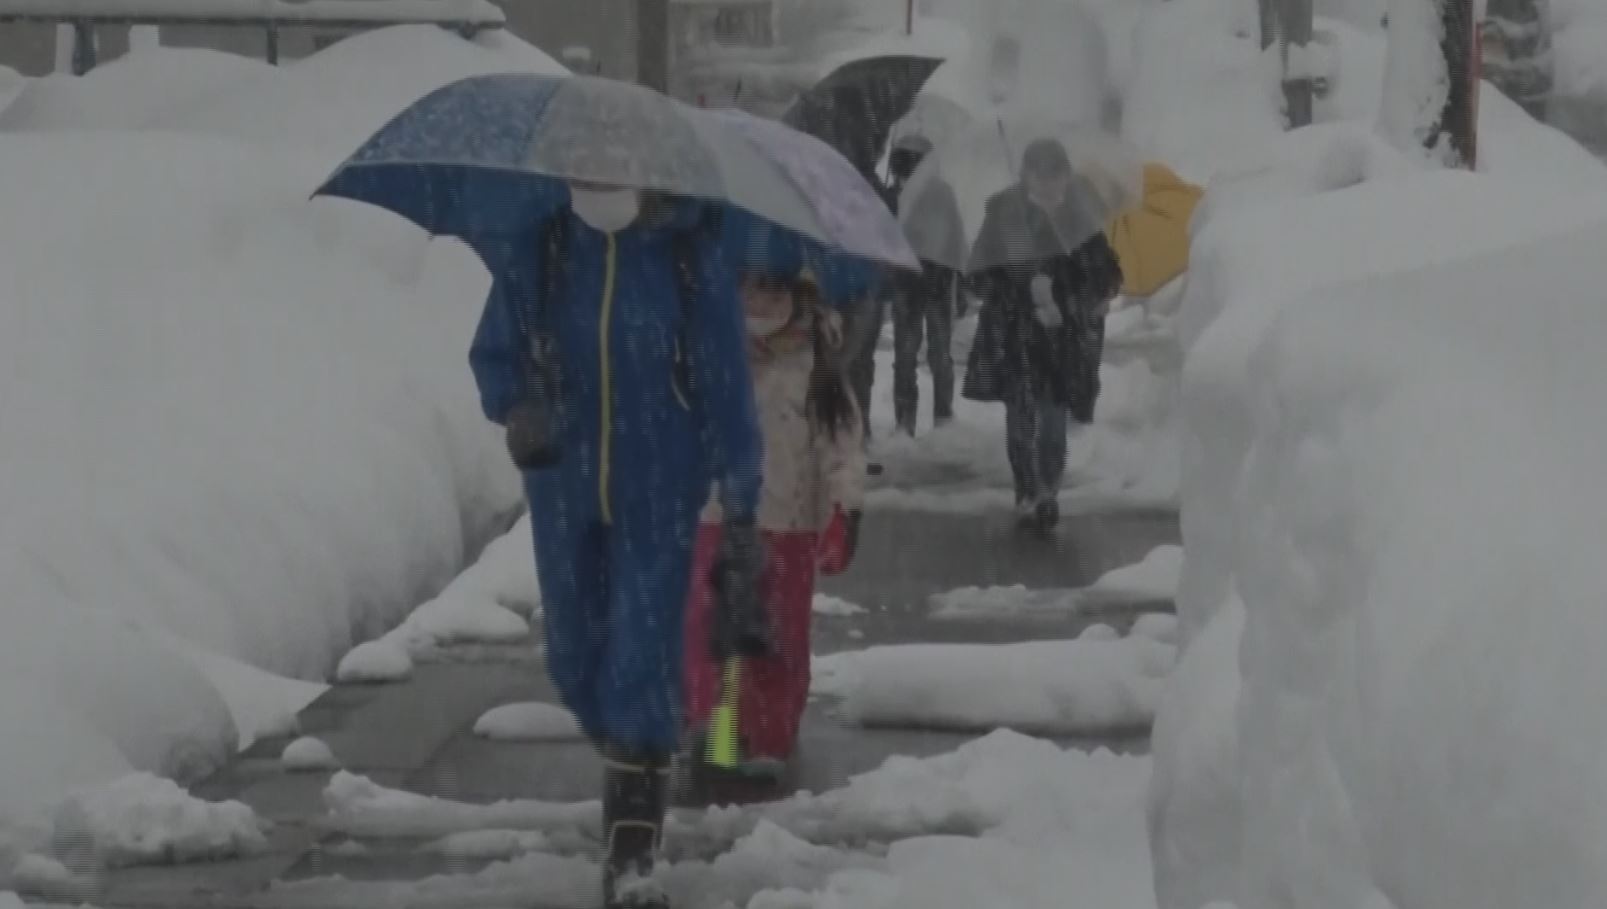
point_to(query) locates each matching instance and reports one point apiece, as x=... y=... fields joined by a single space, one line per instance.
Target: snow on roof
x=479 y=12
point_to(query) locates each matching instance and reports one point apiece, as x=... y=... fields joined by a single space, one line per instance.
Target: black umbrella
x=853 y=109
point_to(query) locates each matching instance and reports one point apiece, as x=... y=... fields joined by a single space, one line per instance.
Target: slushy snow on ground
x=1003 y=820
x=1098 y=683
x=533 y=721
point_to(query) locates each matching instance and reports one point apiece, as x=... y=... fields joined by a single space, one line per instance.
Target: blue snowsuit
x=614 y=521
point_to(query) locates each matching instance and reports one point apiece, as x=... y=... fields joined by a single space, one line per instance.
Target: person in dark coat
x=1041 y=331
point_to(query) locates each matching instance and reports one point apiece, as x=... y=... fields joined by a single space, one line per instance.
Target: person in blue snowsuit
x=653 y=404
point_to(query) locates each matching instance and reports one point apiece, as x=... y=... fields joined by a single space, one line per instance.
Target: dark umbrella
x=853 y=109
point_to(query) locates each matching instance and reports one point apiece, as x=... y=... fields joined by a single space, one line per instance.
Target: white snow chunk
x=489 y=844
x=1048 y=687
x=533 y=721
x=974 y=602
x=1154 y=578
x=383 y=660
x=360 y=807
x=1159 y=626
x=308 y=753
x=825 y=604
x=449 y=619
x=144 y=819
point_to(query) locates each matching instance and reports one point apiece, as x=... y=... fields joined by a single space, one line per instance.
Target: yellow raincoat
x=1152 y=240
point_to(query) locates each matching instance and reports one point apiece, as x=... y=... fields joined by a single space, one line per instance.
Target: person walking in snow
x=1040 y=333
x=924 y=306
x=613 y=351
x=808 y=516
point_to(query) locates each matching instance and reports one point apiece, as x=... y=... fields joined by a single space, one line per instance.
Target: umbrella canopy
x=983 y=168
x=485 y=157
x=854 y=108
x=1152 y=239
x=847 y=207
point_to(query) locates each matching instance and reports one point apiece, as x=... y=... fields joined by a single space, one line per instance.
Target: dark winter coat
x=1012 y=347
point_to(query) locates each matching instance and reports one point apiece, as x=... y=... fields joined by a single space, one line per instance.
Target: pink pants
x=775 y=689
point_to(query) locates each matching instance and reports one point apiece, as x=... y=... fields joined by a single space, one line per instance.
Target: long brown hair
x=829 y=405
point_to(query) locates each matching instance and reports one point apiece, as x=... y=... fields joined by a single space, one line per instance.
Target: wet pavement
x=417 y=735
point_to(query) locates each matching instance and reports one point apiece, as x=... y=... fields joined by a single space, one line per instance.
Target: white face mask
x=765 y=326
x=605 y=210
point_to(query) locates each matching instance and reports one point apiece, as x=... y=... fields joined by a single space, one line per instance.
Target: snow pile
x=1302 y=212
x=141 y=818
x=533 y=721
x=1579 y=47
x=1378 y=588
x=1154 y=578
x=308 y=753
x=825 y=604
x=1253 y=263
x=1097 y=683
x=239 y=424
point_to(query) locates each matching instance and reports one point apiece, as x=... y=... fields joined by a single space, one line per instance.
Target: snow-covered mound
x=1422 y=582
x=1098 y=683
x=240 y=435
x=1287 y=215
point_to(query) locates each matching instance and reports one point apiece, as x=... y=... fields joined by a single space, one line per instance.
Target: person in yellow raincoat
x=1152 y=239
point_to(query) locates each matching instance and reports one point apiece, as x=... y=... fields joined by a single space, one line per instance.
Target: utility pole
x=909 y=17
x=1458 y=126
x=1295 y=35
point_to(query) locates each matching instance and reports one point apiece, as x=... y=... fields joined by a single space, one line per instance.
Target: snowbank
x=1386 y=608
x=240 y=436
x=1323 y=207
x=1097 y=683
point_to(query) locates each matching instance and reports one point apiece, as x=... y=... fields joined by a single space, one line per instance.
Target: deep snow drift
x=1286 y=216
x=240 y=434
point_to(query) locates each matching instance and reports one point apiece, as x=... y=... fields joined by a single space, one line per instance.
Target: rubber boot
x=635 y=795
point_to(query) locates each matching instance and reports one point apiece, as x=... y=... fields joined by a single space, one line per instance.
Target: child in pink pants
x=814 y=469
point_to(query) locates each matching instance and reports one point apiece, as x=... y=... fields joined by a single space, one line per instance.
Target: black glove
x=741 y=624
x=531 y=436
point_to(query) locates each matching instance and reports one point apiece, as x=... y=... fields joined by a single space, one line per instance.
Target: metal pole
x=1296 y=38
x=1459 y=118
x=909 y=17
x=84 y=55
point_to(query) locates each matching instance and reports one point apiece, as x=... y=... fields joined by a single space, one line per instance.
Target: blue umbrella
x=486 y=157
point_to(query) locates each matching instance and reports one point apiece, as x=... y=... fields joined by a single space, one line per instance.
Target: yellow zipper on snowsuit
x=607 y=428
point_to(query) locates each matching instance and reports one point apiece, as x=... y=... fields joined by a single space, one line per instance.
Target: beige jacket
x=808 y=473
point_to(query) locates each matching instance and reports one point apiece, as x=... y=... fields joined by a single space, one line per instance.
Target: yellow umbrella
x=1152 y=240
